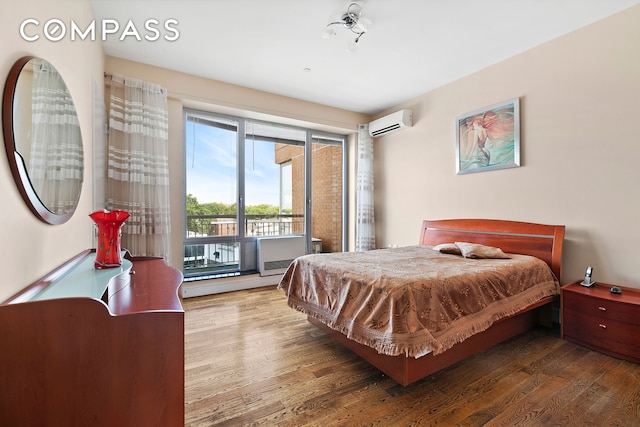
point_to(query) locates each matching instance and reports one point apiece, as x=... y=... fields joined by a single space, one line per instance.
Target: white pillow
x=478 y=251
x=448 y=248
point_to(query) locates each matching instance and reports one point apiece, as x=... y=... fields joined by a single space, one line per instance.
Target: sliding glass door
x=327 y=191
x=245 y=179
x=213 y=227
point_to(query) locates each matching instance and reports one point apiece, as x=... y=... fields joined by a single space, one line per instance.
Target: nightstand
x=597 y=319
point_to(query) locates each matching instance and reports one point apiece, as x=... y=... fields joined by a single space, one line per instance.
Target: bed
x=415 y=310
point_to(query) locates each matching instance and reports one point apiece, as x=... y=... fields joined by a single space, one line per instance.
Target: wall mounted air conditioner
x=276 y=253
x=391 y=123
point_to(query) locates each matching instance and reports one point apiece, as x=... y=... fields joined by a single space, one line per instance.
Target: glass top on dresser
x=84 y=280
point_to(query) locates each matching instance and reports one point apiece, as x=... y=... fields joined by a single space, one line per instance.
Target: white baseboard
x=230 y=284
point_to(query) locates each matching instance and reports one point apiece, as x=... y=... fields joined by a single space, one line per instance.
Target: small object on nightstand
x=615 y=290
x=587 y=278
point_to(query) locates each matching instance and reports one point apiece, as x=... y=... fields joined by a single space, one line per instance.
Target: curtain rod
x=110 y=77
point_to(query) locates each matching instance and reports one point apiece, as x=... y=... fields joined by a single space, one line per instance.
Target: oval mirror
x=43 y=139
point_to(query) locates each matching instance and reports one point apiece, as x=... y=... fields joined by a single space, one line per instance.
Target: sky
x=211 y=167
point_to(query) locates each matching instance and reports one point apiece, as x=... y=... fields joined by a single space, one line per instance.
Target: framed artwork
x=488 y=138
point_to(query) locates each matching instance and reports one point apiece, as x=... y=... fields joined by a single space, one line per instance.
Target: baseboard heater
x=276 y=253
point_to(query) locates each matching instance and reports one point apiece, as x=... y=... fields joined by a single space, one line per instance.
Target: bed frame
x=539 y=240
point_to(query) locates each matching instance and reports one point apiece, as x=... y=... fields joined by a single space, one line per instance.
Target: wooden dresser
x=602 y=321
x=86 y=347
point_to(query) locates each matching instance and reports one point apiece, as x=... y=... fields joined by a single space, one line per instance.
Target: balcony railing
x=255 y=225
x=212 y=258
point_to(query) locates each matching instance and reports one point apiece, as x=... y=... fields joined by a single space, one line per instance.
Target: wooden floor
x=252 y=360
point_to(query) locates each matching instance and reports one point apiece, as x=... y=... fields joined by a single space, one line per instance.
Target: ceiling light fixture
x=351 y=20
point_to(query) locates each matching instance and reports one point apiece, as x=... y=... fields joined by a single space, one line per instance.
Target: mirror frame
x=16 y=161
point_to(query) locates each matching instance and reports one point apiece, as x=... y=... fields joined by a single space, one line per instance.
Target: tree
x=263 y=209
x=194 y=209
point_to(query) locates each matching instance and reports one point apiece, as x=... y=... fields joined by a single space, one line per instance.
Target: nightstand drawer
x=602 y=309
x=602 y=334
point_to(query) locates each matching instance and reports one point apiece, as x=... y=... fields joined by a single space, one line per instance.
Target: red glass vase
x=109 y=230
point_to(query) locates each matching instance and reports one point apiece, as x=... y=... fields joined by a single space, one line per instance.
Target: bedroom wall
x=31 y=247
x=580 y=105
x=195 y=92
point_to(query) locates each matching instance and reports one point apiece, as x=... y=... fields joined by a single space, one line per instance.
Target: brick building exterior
x=326 y=190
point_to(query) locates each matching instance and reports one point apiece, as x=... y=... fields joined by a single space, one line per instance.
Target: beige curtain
x=137 y=165
x=365 y=222
x=55 y=159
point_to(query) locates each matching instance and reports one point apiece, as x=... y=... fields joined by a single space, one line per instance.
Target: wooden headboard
x=525 y=238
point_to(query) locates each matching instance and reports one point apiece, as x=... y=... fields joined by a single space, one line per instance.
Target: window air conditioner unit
x=391 y=123
x=276 y=253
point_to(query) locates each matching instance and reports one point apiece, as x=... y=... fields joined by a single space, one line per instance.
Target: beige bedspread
x=413 y=300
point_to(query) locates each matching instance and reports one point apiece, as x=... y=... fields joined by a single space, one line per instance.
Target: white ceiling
x=412 y=46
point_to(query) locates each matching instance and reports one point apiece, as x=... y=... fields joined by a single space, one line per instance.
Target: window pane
x=271 y=201
x=210 y=259
x=286 y=187
x=326 y=188
x=211 y=177
x=211 y=195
